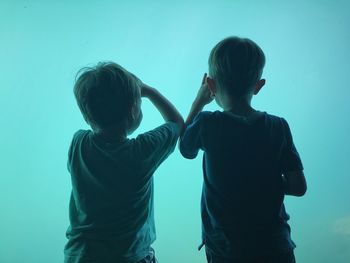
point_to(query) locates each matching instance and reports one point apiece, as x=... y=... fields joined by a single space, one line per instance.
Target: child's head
x=236 y=65
x=109 y=97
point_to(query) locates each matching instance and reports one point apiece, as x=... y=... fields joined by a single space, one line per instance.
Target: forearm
x=204 y=96
x=196 y=108
x=165 y=107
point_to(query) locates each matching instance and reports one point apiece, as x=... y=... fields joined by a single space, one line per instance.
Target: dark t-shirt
x=242 y=198
x=111 y=205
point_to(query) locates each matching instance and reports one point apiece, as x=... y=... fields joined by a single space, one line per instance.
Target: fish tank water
x=167 y=44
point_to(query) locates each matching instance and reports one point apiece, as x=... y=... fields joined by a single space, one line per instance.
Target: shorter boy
x=111 y=204
x=249 y=162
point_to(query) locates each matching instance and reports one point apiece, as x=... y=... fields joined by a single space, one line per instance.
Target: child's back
x=245 y=154
x=112 y=198
x=111 y=206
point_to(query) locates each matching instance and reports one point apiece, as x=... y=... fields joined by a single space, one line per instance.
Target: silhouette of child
x=111 y=205
x=249 y=162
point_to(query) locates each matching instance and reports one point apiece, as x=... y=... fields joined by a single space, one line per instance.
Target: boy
x=249 y=161
x=111 y=205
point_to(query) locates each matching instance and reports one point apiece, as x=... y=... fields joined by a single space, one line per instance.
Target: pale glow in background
x=166 y=43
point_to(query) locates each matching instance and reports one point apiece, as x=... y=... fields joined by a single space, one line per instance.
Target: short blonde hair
x=236 y=64
x=105 y=94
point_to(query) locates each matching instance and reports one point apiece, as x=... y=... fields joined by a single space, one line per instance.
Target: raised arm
x=294 y=183
x=164 y=106
x=203 y=97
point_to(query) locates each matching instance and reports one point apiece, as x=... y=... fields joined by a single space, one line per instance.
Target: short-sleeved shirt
x=242 y=197
x=111 y=204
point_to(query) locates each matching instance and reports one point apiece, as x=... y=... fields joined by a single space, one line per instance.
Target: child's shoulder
x=278 y=124
x=167 y=129
x=203 y=118
x=274 y=117
x=160 y=138
x=80 y=133
x=205 y=115
x=277 y=119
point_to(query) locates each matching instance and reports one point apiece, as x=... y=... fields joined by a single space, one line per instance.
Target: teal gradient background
x=167 y=43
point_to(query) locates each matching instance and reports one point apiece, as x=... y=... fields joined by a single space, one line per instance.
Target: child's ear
x=134 y=112
x=259 y=85
x=211 y=85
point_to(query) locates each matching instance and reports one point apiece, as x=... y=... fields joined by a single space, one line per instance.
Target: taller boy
x=249 y=164
x=111 y=205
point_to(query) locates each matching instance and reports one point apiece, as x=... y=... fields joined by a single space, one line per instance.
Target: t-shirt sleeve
x=190 y=142
x=71 y=148
x=290 y=157
x=156 y=145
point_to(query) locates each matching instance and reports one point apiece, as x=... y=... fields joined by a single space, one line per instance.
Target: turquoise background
x=166 y=43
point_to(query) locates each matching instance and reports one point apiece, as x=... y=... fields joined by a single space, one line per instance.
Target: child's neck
x=111 y=135
x=239 y=107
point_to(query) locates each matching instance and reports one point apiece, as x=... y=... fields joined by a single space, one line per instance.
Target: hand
x=138 y=82
x=164 y=106
x=204 y=95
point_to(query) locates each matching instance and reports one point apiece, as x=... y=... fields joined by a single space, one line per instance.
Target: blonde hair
x=105 y=94
x=236 y=64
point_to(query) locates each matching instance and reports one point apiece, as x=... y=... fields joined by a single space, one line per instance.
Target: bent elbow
x=301 y=190
x=295 y=183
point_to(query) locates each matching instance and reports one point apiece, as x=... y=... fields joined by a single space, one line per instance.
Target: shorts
x=283 y=257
